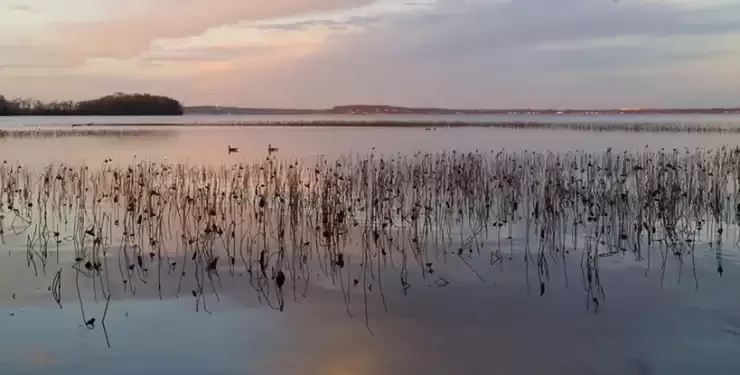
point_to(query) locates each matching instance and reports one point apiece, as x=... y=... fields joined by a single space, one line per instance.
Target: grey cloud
x=488 y=55
x=482 y=28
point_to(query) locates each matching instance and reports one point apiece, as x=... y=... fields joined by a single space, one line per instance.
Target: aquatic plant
x=105 y=131
x=428 y=125
x=432 y=125
x=369 y=224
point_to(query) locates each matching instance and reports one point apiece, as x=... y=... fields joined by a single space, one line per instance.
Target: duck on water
x=270 y=149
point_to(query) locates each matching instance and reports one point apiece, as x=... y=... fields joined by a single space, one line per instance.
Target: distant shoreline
x=391 y=111
x=137 y=104
x=399 y=110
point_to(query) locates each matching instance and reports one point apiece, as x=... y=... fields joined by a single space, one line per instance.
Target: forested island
x=118 y=104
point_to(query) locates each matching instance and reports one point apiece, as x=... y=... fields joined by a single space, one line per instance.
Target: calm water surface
x=10 y=122
x=497 y=327
x=209 y=145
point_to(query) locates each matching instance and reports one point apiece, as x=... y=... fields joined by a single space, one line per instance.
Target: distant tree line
x=118 y=104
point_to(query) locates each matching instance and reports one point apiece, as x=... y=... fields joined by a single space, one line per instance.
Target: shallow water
x=496 y=326
x=14 y=122
x=478 y=328
x=209 y=145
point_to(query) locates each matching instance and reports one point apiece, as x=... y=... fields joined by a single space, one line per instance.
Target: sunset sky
x=320 y=53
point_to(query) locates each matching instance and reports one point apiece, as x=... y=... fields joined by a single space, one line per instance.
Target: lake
x=208 y=144
x=232 y=119
x=485 y=319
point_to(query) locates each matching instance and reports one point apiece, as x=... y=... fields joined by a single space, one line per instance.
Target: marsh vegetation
x=82 y=131
x=432 y=123
x=370 y=225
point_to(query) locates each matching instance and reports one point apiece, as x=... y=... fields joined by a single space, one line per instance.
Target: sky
x=321 y=53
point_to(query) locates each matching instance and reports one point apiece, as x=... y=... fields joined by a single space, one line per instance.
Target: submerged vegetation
x=79 y=131
x=118 y=104
x=369 y=224
x=441 y=125
x=597 y=126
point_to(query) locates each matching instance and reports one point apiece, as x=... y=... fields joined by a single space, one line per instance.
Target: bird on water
x=271 y=149
x=233 y=149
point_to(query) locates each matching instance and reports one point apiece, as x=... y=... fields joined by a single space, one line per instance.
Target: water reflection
x=503 y=326
x=476 y=328
x=209 y=145
x=49 y=121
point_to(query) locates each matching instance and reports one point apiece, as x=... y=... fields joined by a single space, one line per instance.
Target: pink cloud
x=131 y=26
